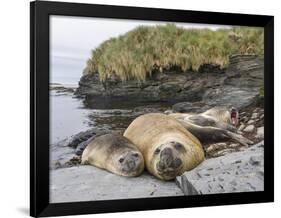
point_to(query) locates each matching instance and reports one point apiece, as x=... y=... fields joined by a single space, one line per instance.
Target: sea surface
x=69 y=115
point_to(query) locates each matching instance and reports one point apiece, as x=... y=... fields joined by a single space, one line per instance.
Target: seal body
x=214 y=125
x=219 y=117
x=114 y=153
x=167 y=147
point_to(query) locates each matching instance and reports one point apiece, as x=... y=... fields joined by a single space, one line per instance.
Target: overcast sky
x=76 y=36
x=73 y=38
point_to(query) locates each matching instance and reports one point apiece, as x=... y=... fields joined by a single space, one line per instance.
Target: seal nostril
x=160 y=165
x=177 y=162
x=121 y=159
x=130 y=164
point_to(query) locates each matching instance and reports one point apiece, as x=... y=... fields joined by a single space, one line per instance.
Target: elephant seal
x=167 y=147
x=115 y=154
x=214 y=125
x=223 y=114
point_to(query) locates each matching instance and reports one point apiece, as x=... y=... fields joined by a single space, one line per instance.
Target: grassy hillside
x=136 y=54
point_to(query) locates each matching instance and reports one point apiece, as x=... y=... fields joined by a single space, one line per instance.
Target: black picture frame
x=39 y=107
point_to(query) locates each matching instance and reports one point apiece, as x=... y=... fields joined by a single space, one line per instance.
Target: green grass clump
x=145 y=49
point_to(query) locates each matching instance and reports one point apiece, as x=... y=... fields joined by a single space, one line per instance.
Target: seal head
x=127 y=163
x=114 y=153
x=167 y=160
x=167 y=147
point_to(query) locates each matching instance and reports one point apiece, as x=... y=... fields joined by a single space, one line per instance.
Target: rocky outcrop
x=211 y=85
x=236 y=172
x=59 y=89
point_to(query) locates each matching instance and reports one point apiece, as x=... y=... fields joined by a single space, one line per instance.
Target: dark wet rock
x=239 y=97
x=187 y=107
x=211 y=85
x=81 y=137
x=183 y=107
x=236 y=172
x=210 y=68
x=82 y=145
x=60 y=89
x=246 y=65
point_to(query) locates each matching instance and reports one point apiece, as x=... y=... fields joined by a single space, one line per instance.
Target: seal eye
x=121 y=159
x=157 y=151
x=136 y=155
x=178 y=145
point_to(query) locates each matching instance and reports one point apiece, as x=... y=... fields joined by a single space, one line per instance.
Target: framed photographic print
x=142 y=109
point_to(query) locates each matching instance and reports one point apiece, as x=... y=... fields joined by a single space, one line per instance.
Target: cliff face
x=237 y=85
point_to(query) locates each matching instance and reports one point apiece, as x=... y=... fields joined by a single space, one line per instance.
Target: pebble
x=234 y=145
x=223 y=152
x=241 y=127
x=254 y=115
x=242 y=113
x=249 y=128
x=168 y=112
x=260 y=133
x=217 y=146
x=250 y=122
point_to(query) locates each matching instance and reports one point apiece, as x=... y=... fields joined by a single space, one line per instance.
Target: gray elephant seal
x=167 y=147
x=115 y=154
x=214 y=125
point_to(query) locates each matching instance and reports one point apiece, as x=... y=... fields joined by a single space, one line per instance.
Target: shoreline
x=64 y=84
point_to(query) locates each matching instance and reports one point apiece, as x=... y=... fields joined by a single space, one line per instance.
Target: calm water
x=70 y=116
x=67 y=116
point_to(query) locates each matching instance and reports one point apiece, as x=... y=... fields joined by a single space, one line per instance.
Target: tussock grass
x=145 y=49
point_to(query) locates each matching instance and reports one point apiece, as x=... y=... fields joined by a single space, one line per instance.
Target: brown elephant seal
x=167 y=147
x=115 y=154
x=214 y=125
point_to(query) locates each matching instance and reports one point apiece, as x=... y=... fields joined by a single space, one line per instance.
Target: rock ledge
x=236 y=172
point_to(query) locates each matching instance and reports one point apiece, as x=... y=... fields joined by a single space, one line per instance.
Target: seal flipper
x=205 y=121
x=213 y=134
x=239 y=138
